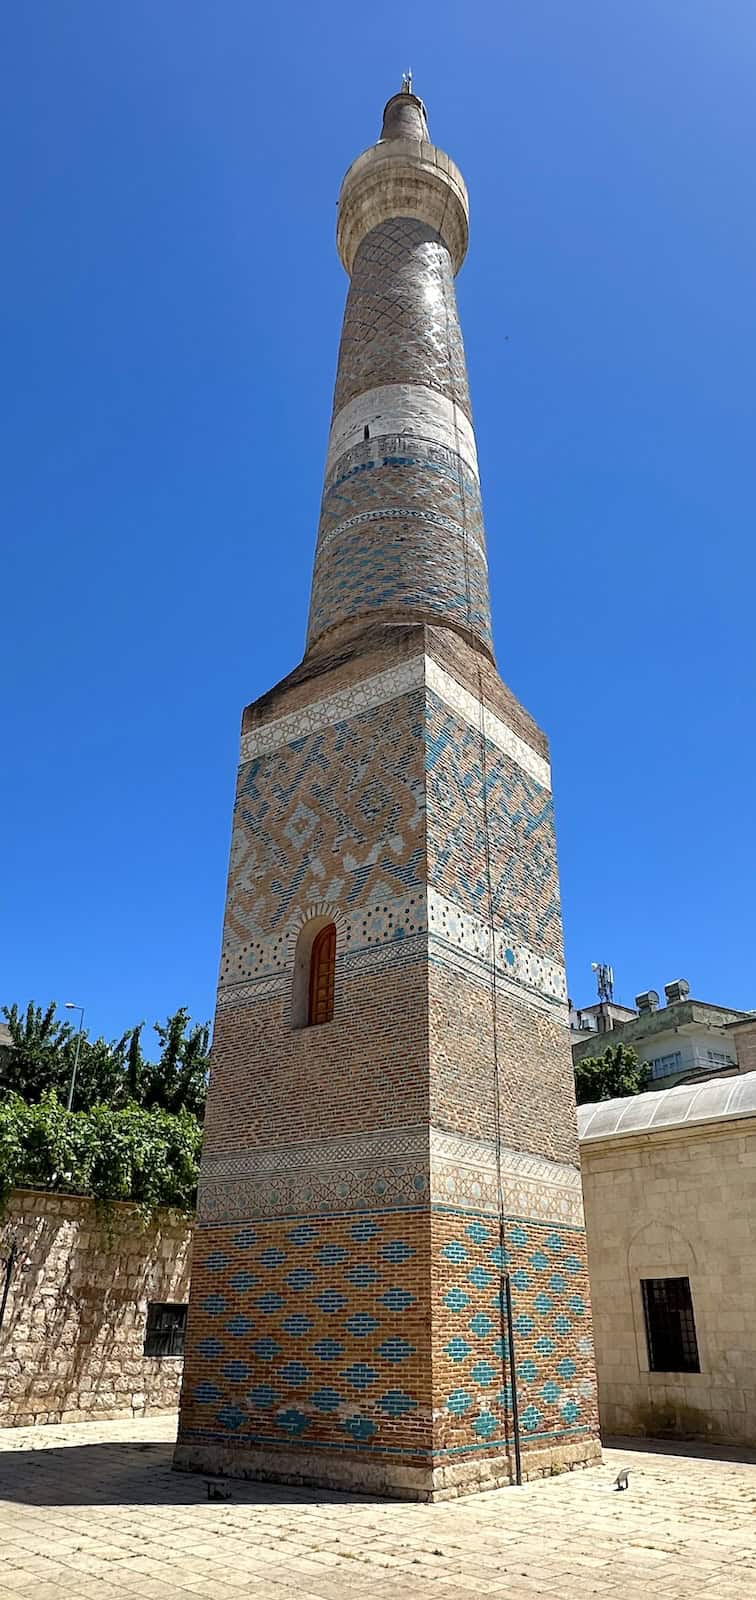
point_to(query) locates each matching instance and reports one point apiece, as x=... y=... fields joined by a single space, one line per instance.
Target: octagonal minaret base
x=369 y=1184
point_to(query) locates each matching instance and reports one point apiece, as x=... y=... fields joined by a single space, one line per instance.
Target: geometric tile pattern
x=375 y=690
x=392 y=1168
x=320 y=822
x=323 y=819
x=550 y=1325
x=516 y=821
x=406 y=558
x=319 y=1333
x=401 y=323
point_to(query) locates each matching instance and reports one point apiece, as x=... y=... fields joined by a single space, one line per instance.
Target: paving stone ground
x=95 y=1511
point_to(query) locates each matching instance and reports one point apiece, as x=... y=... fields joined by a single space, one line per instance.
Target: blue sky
x=171 y=303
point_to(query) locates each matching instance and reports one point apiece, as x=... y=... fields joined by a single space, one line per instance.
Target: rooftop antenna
x=407 y=82
x=604 y=980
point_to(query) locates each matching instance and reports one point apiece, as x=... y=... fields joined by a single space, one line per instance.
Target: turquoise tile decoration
x=458 y=1402
x=458 y=1349
x=271 y=1258
x=294 y=1374
x=205 y=1393
x=262 y=1397
x=395 y=1403
x=396 y=1251
x=530 y=1419
x=214 y=1305
x=240 y=1281
x=364 y=1230
x=396 y=1350
x=397 y=1299
x=456 y=1299
x=360 y=1375
x=360 y=1428
x=454 y=1251
x=236 y=1371
x=292 y=1421
x=231 y=1418
x=328 y=1350
x=331 y=1255
x=299 y=1280
x=361 y=1324
x=239 y=1325
x=331 y=1300
x=216 y=1260
x=304 y=1233
x=209 y=1348
x=297 y=1326
x=327 y=1399
x=485 y=1425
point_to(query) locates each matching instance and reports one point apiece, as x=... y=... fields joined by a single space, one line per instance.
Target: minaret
x=389 y=1287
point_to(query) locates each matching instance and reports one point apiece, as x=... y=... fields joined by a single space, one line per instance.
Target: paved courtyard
x=94 y=1510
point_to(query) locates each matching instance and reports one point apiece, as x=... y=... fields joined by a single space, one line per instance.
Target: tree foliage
x=612 y=1076
x=43 y=1051
x=149 y=1157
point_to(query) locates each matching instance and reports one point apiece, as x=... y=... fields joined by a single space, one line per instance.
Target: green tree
x=37 y=1061
x=178 y=1079
x=612 y=1076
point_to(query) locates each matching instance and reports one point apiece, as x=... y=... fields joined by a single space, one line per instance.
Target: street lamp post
x=71 y=1007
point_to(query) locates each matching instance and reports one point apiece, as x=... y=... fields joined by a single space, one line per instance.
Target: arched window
x=314 y=978
x=322 y=976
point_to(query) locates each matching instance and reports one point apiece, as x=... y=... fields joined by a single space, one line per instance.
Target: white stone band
x=389 y=685
x=402 y=408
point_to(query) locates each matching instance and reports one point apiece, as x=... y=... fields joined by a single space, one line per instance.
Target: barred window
x=670 y=1325
x=166 y=1328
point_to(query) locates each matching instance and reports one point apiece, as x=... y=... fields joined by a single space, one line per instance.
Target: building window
x=166 y=1327
x=314 y=979
x=670 y=1325
x=718 y=1058
x=322 y=976
x=661 y=1066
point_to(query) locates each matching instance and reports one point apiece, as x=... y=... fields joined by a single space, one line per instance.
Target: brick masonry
x=367 y=1183
x=73 y=1337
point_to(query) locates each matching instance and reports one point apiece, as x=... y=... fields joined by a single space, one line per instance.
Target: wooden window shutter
x=322 y=975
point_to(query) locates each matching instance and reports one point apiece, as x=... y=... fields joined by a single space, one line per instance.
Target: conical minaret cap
x=404 y=117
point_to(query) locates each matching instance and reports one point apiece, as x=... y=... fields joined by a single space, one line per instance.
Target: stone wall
x=72 y=1342
x=675 y=1204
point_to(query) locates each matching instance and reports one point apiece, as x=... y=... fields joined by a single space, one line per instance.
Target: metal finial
x=407 y=82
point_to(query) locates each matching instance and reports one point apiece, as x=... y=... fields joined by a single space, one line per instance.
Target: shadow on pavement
x=694 y=1449
x=125 y=1474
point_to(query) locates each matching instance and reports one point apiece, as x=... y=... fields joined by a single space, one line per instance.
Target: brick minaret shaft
x=368 y=1181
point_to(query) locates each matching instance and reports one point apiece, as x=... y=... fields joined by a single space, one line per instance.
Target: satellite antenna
x=604 y=980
